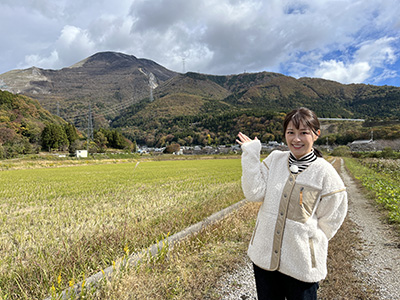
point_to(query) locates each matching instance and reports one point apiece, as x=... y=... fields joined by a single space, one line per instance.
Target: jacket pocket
x=302 y=202
x=312 y=252
x=254 y=233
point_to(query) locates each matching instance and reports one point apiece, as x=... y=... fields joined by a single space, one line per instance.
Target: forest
x=27 y=128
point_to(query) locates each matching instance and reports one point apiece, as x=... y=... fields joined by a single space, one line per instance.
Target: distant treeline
x=222 y=129
x=26 y=128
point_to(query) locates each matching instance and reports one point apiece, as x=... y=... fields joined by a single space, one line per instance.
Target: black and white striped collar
x=299 y=165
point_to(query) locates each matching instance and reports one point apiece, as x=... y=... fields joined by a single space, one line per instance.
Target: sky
x=349 y=41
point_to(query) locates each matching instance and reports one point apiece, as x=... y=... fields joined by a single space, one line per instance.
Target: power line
x=101 y=112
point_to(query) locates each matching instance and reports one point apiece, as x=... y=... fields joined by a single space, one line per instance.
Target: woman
x=304 y=204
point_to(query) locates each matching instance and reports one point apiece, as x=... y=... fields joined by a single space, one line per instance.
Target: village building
x=81 y=153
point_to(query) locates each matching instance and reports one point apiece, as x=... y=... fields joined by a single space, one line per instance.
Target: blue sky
x=341 y=40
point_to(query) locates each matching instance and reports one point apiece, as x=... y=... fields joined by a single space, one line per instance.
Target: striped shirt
x=299 y=165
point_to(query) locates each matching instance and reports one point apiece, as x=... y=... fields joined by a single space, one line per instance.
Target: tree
x=71 y=133
x=115 y=139
x=101 y=141
x=54 y=137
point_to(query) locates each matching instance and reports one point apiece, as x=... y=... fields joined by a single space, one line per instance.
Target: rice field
x=60 y=225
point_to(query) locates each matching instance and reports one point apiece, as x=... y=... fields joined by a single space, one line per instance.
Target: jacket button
x=276 y=251
x=281 y=213
x=278 y=232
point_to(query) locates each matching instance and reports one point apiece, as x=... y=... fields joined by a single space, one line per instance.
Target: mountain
x=272 y=91
x=154 y=105
x=196 y=108
x=103 y=80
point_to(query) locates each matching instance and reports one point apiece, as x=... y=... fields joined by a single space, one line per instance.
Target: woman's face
x=300 y=141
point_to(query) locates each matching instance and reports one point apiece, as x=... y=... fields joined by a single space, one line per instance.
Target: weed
x=382 y=178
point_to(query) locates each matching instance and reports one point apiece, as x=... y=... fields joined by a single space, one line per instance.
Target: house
x=81 y=153
x=363 y=145
x=179 y=152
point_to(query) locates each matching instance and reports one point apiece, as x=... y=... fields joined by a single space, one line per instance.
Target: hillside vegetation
x=155 y=106
x=183 y=111
x=22 y=121
x=27 y=128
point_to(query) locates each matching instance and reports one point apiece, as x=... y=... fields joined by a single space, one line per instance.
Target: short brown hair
x=302 y=115
x=305 y=116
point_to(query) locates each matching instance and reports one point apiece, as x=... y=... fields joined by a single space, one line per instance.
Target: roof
x=362 y=142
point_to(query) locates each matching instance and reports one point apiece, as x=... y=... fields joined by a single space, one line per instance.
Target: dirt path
x=378 y=268
x=380 y=250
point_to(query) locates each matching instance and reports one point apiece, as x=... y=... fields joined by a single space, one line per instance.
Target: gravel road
x=381 y=244
x=379 y=267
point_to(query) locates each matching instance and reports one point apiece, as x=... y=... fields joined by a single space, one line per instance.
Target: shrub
x=388 y=152
x=172 y=148
x=341 y=151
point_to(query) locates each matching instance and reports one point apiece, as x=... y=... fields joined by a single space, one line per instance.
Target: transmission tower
x=183 y=65
x=90 y=124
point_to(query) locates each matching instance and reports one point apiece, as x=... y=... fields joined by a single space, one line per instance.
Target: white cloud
x=378 y=52
x=252 y=35
x=338 y=71
x=73 y=44
x=336 y=38
x=43 y=62
x=367 y=59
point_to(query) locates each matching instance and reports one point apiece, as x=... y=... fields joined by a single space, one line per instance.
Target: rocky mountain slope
x=106 y=79
x=149 y=102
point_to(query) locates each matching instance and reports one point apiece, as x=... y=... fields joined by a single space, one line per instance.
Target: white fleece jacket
x=299 y=214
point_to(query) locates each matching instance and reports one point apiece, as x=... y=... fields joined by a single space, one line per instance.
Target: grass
x=381 y=177
x=64 y=224
x=192 y=267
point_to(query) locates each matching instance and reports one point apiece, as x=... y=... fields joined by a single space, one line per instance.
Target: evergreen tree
x=54 y=137
x=71 y=133
x=101 y=141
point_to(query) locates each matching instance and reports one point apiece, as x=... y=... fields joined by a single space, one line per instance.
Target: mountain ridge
x=122 y=91
x=105 y=78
